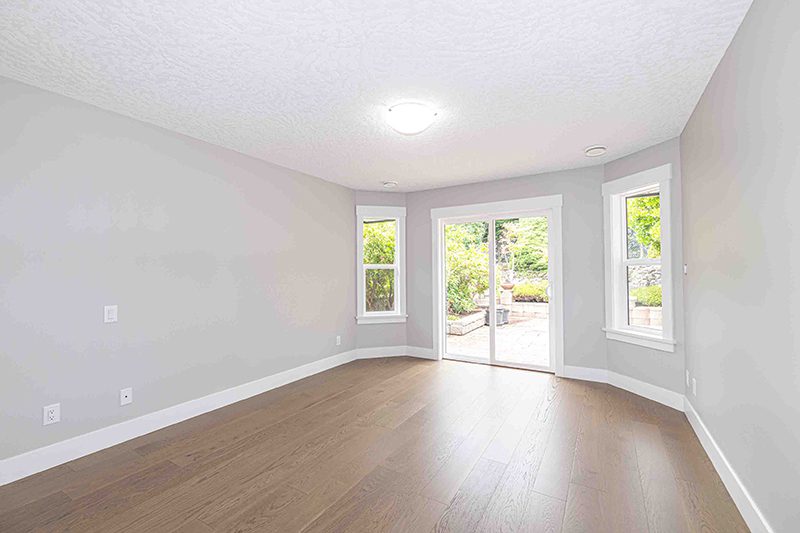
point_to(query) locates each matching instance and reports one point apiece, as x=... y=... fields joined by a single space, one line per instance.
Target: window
x=381 y=260
x=637 y=259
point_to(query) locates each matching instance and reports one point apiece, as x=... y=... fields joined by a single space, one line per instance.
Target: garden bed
x=465 y=324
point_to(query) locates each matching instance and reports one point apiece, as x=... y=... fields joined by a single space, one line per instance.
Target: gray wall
x=205 y=251
x=584 y=341
x=741 y=177
x=654 y=366
x=378 y=335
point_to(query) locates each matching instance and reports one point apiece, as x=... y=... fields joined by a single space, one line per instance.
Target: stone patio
x=524 y=340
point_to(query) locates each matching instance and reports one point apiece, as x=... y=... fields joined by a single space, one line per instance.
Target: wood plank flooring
x=396 y=445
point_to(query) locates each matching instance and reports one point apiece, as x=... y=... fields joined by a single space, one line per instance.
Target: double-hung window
x=638 y=259
x=381 y=264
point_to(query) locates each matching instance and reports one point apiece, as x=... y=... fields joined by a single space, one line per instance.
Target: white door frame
x=551 y=205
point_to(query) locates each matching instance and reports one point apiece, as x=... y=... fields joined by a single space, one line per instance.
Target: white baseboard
x=395 y=351
x=651 y=392
x=741 y=496
x=40 y=459
x=599 y=375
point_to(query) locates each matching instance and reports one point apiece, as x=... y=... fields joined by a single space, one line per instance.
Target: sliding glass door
x=466 y=256
x=497 y=280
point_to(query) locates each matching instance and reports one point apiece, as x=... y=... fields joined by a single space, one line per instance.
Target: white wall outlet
x=685 y=269
x=126 y=396
x=338 y=340
x=51 y=414
x=687 y=378
x=109 y=314
x=694 y=387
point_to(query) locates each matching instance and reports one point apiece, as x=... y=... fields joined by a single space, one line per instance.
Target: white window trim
x=399 y=314
x=617 y=328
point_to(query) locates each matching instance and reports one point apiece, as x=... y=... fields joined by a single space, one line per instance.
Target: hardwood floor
x=396 y=444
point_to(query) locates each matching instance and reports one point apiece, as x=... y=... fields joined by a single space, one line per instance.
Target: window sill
x=386 y=319
x=641 y=339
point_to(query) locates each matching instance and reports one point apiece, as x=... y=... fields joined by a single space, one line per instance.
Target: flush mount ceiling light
x=389 y=184
x=595 y=151
x=410 y=118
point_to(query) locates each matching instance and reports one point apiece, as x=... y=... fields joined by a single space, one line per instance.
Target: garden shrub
x=467 y=267
x=530 y=291
x=649 y=296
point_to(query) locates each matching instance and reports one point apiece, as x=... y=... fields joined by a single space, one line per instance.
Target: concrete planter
x=465 y=324
x=502 y=316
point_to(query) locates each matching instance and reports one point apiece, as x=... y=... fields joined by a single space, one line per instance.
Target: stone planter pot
x=502 y=316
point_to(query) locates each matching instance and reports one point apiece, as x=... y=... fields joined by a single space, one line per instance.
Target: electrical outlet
x=685 y=269
x=126 y=396
x=51 y=414
x=694 y=387
x=687 y=378
x=338 y=340
x=110 y=314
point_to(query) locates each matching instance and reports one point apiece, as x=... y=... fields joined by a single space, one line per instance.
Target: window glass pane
x=379 y=285
x=379 y=241
x=644 y=296
x=643 y=226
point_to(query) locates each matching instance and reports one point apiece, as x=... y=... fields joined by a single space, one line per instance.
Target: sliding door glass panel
x=522 y=335
x=467 y=290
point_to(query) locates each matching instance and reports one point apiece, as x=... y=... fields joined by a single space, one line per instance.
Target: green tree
x=529 y=247
x=644 y=225
x=466 y=264
x=379 y=242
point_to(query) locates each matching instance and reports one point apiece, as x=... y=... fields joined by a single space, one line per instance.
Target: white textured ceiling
x=522 y=86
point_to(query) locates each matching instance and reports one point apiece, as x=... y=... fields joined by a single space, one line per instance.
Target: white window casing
x=366 y=212
x=617 y=325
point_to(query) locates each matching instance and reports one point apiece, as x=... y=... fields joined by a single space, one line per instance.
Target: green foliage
x=644 y=225
x=466 y=264
x=379 y=242
x=649 y=296
x=379 y=249
x=379 y=290
x=530 y=291
x=522 y=247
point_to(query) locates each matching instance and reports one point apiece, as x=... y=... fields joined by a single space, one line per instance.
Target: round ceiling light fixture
x=595 y=151
x=389 y=184
x=410 y=118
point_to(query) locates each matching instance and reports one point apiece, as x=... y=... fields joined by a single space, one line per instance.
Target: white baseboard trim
x=395 y=351
x=599 y=375
x=651 y=392
x=40 y=459
x=741 y=496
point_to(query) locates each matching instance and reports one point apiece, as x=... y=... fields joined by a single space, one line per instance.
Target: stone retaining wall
x=465 y=324
x=645 y=316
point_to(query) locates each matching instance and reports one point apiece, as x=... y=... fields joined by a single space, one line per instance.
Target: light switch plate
x=109 y=314
x=126 y=396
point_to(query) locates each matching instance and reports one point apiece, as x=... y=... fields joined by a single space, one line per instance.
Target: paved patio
x=523 y=340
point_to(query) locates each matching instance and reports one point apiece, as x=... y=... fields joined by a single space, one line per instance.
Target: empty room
x=399 y=266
